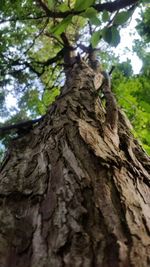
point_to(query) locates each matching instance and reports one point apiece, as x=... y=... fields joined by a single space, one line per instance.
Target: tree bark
x=73 y=191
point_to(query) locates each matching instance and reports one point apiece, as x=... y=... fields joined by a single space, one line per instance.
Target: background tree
x=74 y=182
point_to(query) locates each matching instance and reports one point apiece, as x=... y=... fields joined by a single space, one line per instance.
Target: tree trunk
x=73 y=191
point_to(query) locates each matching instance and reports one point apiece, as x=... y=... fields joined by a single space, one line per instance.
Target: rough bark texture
x=74 y=192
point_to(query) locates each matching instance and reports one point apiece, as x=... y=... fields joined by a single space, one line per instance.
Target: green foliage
x=122 y=17
x=63 y=7
x=37 y=104
x=111 y=35
x=62 y=26
x=126 y=68
x=49 y=97
x=105 y=16
x=96 y=38
x=51 y=4
x=133 y=95
x=143 y=26
x=92 y=15
x=30 y=40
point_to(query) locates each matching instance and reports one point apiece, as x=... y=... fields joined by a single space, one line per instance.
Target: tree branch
x=110 y=7
x=22 y=19
x=19 y=126
x=114 y=6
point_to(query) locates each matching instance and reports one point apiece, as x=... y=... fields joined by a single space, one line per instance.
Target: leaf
x=83 y=4
x=111 y=36
x=40 y=108
x=147 y=148
x=51 y=3
x=107 y=35
x=105 y=16
x=96 y=36
x=91 y=13
x=49 y=96
x=145 y=105
x=61 y=27
x=115 y=36
x=63 y=7
x=122 y=17
x=95 y=21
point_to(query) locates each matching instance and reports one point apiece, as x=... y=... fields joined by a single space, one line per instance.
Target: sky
x=127 y=36
x=123 y=50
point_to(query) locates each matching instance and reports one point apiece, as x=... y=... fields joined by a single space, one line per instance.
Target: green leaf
x=111 y=36
x=51 y=3
x=107 y=35
x=122 y=17
x=115 y=36
x=96 y=36
x=49 y=96
x=40 y=108
x=63 y=7
x=145 y=105
x=147 y=148
x=105 y=16
x=91 y=13
x=83 y=4
x=95 y=21
x=61 y=27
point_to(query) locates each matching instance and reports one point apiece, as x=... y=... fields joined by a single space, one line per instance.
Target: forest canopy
x=32 y=46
